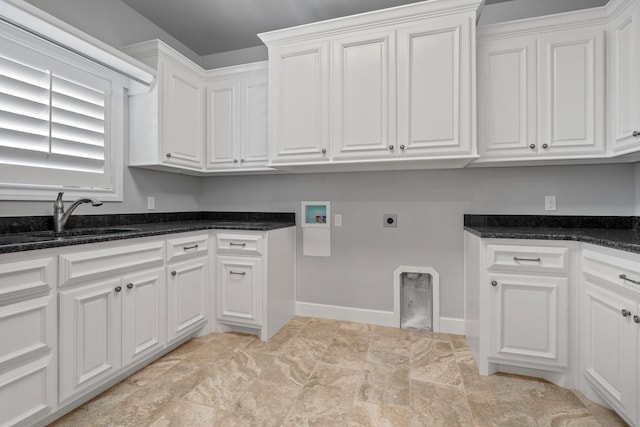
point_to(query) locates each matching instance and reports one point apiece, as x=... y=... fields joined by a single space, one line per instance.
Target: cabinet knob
x=545 y=146
x=494 y=283
x=636 y=133
x=402 y=147
x=173 y=273
x=532 y=146
x=118 y=288
x=636 y=319
x=235 y=160
x=324 y=151
x=625 y=313
x=391 y=147
x=241 y=160
x=130 y=286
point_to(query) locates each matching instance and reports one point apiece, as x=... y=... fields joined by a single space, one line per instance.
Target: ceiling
x=213 y=26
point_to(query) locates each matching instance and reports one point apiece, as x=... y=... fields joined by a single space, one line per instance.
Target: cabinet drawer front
x=240 y=243
x=23 y=280
x=528 y=258
x=81 y=266
x=612 y=269
x=30 y=318
x=186 y=247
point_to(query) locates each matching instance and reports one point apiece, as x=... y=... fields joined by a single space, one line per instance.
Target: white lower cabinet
x=187 y=284
x=240 y=289
x=611 y=329
x=28 y=348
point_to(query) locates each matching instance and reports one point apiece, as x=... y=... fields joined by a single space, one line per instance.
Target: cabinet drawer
x=528 y=258
x=240 y=243
x=80 y=266
x=185 y=247
x=620 y=270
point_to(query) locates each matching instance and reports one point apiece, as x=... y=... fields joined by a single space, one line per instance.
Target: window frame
x=114 y=124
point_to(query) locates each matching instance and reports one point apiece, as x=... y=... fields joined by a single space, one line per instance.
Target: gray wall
x=111 y=21
x=430 y=206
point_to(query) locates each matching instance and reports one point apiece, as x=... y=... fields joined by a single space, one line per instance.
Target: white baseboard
x=448 y=325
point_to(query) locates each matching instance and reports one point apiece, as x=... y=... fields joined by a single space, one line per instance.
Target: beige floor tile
x=347 y=348
x=320 y=405
x=364 y=414
x=185 y=414
x=438 y=405
x=151 y=372
x=385 y=385
x=604 y=416
x=282 y=368
x=434 y=361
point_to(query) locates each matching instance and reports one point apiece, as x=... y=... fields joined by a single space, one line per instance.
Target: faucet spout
x=60 y=217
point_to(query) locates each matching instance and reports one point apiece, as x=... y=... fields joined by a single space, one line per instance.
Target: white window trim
x=114 y=159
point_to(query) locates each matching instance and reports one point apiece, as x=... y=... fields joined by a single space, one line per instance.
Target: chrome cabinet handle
x=636 y=319
x=625 y=313
x=391 y=147
x=118 y=288
x=242 y=245
x=130 y=286
x=624 y=277
x=168 y=155
x=402 y=147
x=636 y=133
x=515 y=258
x=238 y=274
x=494 y=283
x=186 y=248
x=173 y=273
x=324 y=151
x=545 y=146
x=532 y=146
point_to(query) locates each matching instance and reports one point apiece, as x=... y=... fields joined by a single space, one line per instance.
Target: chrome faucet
x=60 y=217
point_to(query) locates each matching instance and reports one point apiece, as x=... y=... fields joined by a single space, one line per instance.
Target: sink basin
x=81 y=232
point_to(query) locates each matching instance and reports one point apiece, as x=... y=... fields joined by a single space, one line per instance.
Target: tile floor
x=318 y=372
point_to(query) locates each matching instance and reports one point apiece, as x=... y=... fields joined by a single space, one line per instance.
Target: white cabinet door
x=363 y=96
x=610 y=347
x=435 y=81
x=254 y=132
x=223 y=124
x=507 y=97
x=299 y=103
x=239 y=284
x=572 y=79
x=143 y=314
x=624 y=89
x=182 y=116
x=187 y=284
x=529 y=319
x=89 y=336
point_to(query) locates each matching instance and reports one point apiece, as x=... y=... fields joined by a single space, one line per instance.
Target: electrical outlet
x=549 y=203
x=151 y=203
x=337 y=220
x=390 y=220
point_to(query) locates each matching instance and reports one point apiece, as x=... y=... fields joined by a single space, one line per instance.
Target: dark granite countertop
x=19 y=234
x=613 y=232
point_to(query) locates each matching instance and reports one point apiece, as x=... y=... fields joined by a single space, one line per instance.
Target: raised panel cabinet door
x=254 y=149
x=435 y=84
x=89 y=335
x=223 y=127
x=529 y=319
x=299 y=103
x=610 y=348
x=571 y=74
x=182 y=117
x=507 y=98
x=363 y=107
x=143 y=314
x=240 y=289
x=624 y=45
x=187 y=284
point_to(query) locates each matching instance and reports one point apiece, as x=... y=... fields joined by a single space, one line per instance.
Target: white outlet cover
x=151 y=203
x=549 y=203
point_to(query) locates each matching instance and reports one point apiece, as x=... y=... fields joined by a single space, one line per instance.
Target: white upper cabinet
x=624 y=69
x=363 y=90
x=167 y=126
x=299 y=102
x=436 y=90
x=391 y=85
x=237 y=118
x=541 y=88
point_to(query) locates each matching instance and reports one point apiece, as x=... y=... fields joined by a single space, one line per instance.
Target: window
x=61 y=122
